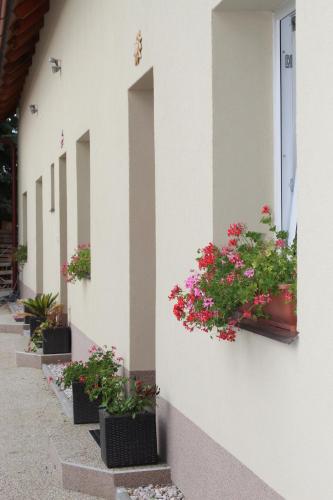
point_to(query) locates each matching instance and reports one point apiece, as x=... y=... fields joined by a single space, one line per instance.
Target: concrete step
x=38 y=359
x=77 y=459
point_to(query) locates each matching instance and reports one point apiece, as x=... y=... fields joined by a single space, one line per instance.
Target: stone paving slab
x=7 y=322
x=38 y=359
x=27 y=407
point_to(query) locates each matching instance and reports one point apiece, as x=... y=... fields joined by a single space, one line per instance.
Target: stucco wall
x=267 y=403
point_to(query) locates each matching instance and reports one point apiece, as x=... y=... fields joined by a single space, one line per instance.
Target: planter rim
x=125 y=415
x=52 y=328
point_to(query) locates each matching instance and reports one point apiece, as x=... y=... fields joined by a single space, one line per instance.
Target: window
x=25 y=218
x=83 y=188
x=52 y=209
x=286 y=131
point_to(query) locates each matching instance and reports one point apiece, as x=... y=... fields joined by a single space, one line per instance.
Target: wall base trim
x=200 y=467
x=146 y=376
x=80 y=344
x=26 y=292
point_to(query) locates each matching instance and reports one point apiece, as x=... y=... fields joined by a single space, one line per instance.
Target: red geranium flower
x=266 y=210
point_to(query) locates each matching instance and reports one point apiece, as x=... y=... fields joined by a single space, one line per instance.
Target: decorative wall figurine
x=138 y=49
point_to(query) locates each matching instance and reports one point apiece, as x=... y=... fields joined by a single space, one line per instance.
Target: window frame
x=52 y=187
x=278 y=16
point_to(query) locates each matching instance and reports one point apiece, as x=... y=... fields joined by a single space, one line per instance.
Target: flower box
x=281 y=316
x=57 y=340
x=84 y=410
x=127 y=441
x=251 y=269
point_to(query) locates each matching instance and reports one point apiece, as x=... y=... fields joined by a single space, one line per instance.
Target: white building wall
x=267 y=403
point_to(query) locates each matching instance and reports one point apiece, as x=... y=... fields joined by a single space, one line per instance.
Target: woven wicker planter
x=57 y=340
x=84 y=410
x=127 y=441
x=27 y=318
x=34 y=323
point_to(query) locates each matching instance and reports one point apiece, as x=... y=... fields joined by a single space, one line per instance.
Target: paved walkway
x=27 y=406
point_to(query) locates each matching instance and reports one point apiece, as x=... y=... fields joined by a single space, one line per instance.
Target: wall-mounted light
x=55 y=64
x=33 y=109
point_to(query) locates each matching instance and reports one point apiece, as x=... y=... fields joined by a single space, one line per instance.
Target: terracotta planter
x=282 y=317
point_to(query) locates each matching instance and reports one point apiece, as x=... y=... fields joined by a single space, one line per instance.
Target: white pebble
x=157 y=492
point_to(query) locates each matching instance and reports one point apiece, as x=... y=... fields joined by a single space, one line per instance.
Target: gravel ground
x=155 y=492
x=56 y=371
x=27 y=406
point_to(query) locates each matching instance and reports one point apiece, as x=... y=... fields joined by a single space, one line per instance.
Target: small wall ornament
x=138 y=49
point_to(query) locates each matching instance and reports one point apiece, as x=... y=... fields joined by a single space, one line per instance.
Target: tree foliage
x=8 y=130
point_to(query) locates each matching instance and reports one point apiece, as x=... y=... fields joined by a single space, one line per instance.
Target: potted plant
x=86 y=380
x=20 y=255
x=56 y=335
x=249 y=281
x=78 y=268
x=38 y=308
x=127 y=425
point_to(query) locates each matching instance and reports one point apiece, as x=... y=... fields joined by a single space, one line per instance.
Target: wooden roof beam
x=26 y=7
x=13 y=55
x=15 y=41
x=21 y=25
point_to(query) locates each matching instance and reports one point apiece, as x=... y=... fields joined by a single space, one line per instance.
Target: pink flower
x=262 y=299
x=233 y=257
x=197 y=292
x=208 y=302
x=280 y=243
x=49 y=379
x=92 y=349
x=247 y=314
x=192 y=280
x=239 y=264
x=249 y=273
x=230 y=278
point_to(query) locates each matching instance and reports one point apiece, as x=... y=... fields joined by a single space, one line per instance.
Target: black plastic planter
x=127 y=441
x=57 y=340
x=84 y=410
x=34 y=323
